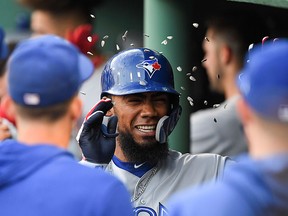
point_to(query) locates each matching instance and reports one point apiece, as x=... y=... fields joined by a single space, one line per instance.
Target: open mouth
x=146 y=128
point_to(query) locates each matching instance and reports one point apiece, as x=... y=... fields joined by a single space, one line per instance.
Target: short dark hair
x=238 y=29
x=48 y=114
x=59 y=7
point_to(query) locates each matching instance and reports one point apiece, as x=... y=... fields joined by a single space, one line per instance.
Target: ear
x=76 y=108
x=225 y=53
x=8 y=106
x=244 y=111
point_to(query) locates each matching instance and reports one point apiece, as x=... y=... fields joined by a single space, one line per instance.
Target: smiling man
x=138 y=85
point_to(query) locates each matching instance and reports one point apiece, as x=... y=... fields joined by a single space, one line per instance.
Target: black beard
x=150 y=152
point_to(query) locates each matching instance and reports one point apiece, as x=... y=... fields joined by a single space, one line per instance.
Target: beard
x=150 y=152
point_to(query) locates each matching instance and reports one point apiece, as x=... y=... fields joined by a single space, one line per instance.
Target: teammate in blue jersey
x=127 y=132
x=37 y=175
x=258 y=185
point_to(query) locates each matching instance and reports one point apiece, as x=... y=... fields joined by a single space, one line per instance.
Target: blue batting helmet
x=137 y=70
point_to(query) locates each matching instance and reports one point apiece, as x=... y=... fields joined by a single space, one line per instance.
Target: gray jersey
x=218 y=130
x=151 y=192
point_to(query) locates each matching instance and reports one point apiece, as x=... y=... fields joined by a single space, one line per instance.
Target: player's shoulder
x=205 y=160
x=178 y=156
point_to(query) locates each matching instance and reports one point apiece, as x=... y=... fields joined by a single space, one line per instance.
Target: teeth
x=146 y=127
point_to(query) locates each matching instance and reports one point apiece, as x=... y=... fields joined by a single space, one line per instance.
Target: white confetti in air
x=194 y=68
x=81 y=92
x=90 y=53
x=89 y=38
x=192 y=78
x=124 y=36
x=196 y=25
x=189 y=98
x=183 y=88
x=250 y=46
x=188 y=74
x=105 y=37
x=216 y=105
x=91 y=15
x=203 y=60
x=146 y=35
x=170 y=37
x=152 y=57
x=146 y=50
x=117 y=47
x=164 y=42
x=179 y=68
x=131 y=44
x=205 y=102
x=225 y=106
x=102 y=43
x=191 y=103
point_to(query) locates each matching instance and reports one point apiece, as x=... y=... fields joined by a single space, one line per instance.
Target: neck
x=229 y=86
x=264 y=142
x=33 y=133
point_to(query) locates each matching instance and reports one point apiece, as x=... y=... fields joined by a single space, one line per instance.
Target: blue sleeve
x=113 y=201
x=208 y=200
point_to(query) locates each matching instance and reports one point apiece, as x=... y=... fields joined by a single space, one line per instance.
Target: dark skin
x=138 y=115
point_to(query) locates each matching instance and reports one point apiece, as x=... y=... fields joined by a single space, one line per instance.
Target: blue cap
x=3 y=45
x=263 y=81
x=45 y=71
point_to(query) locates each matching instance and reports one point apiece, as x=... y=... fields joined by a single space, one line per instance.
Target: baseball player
x=142 y=108
x=258 y=185
x=38 y=176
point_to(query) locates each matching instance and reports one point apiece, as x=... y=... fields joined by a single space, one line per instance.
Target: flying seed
x=102 y=43
x=124 y=36
x=192 y=78
x=164 y=42
x=189 y=98
x=196 y=25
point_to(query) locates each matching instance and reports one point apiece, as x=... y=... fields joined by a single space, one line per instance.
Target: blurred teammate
x=228 y=36
x=38 y=176
x=258 y=185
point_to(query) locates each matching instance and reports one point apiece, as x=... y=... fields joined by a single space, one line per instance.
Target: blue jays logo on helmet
x=137 y=70
x=150 y=66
